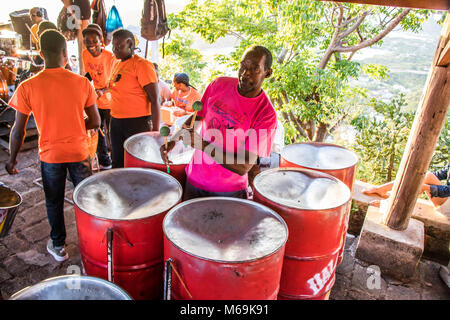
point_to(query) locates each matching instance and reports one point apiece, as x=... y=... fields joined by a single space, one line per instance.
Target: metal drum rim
x=38 y=285
x=127 y=142
x=320 y=144
x=272 y=212
x=314 y=172
x=16 y=205
x=88 y=179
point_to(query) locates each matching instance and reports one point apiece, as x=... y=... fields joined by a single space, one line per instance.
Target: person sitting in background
x=437 y=193
x=99 y=64
x=184 y=94
x=59 y=100
x=164 y=90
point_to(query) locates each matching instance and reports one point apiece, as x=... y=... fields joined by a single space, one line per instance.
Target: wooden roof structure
x=429 y=119
x=417 y=4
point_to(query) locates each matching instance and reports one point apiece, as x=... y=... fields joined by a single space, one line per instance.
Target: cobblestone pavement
x=24 y=260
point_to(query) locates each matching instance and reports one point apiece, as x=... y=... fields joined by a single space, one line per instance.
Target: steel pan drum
x=224 y=248
x=314 y=206
x=122 y=210
x=72 y=287
x=324 y=157
x=10 y=200
x=142 y=151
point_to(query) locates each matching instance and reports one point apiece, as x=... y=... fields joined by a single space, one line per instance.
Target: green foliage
x=298 y=33
x=180 y=57
x=441 y=154
x=381 y=139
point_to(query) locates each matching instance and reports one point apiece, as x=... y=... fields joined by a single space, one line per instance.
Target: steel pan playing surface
x=142 y=151
x=225 y=248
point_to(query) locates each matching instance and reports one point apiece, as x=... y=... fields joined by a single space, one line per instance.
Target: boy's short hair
x=52 y=41
x=46 y=25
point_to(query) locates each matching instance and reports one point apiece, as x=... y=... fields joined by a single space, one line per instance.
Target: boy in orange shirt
x=99 y=63
x=58 y=99
x=134 y=95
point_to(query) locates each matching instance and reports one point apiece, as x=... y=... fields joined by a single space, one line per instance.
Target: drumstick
x=29 y=29
x=197 y=106
x=165 y=131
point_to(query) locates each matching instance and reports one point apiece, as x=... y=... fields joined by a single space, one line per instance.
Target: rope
x=179 y=278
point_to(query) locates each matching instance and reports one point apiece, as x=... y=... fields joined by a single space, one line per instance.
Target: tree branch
x=381 y=35
x=355 y=26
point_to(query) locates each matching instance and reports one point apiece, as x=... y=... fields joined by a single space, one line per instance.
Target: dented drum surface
x=142 y=151
x=225 y=249
x=132 y=203
x=324 y=157
x=314 y=206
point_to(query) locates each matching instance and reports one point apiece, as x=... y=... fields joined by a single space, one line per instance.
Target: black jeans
x=102 y=148
x=121 y=130
x=54 y=182
x=192 y=192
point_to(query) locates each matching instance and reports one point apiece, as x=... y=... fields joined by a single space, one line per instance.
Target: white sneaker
x=59 y=253
x=445 y=275
x=105 y=167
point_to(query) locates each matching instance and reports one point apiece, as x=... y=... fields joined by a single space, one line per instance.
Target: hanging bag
x=113 y=22
x=99 y=16
x=154 y=24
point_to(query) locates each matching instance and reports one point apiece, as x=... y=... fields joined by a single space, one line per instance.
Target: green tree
x=381 y=139
x=180 y=57
x=313 y=43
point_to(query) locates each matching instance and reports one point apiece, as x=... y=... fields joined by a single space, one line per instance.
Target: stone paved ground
x=24 y=260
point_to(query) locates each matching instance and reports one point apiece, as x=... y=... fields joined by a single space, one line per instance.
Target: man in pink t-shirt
x=238 y=124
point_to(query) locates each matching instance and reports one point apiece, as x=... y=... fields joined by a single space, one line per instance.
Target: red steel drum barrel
x=224 y=249
x=324 y=157
x=128 y=205
x=314 y=206
x=142 y=151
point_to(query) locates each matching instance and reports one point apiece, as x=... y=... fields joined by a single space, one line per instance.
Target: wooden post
x=429 y=120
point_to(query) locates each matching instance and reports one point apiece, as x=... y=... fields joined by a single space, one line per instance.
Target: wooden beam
x=429 y=120
x=444 y=59
x=417 y=4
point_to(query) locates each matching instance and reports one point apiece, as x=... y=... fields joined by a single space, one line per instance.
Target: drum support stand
x=167 y=279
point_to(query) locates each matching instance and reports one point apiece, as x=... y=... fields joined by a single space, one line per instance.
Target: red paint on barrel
x=293 y=156
x=137 y=242
x=224 y=249
x=315 y=234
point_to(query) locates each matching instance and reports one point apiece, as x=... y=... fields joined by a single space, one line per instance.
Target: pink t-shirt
x=233 y=123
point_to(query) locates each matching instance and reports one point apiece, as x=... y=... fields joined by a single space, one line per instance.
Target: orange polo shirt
x=100 y=69
x=128 y=97
x=185 y=101
x=57 y=98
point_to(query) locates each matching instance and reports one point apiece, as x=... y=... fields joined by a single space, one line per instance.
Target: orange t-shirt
x=100 y=69
x=34 y=30
x=185 y=101
x=57 y=98
x=128 y=97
